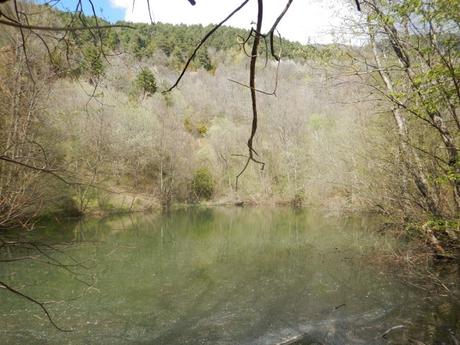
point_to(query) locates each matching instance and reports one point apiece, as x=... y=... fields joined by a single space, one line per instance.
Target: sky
x=308 y=21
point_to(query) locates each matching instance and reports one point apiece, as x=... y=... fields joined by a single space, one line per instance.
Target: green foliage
x=146 y=82
x=200 y=129
x=92 y=64
x=450 y=176
x=446 y=230
x=203 y=184
x=112 y=41
x=203 y=60
x=141 y=46
x=178 y=41
x=69 y=207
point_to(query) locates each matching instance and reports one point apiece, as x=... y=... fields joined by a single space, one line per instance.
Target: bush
x=146 y=82
x=199 y=129
x=203 y=184
x=202 y=129
x=203 y=60
x=92 y=64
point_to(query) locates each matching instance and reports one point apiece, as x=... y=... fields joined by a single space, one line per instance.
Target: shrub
x=146 y=82
x=92 y=64
x=204 y=60
x=203 y=184
x=202 y=129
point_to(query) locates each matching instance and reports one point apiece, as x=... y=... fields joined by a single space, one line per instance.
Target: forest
x=86 y=126
x=94 y=124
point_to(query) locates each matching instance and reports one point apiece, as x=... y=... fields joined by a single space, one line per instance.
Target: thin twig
x=16 y=292
x=62 y=28
x=252 y=85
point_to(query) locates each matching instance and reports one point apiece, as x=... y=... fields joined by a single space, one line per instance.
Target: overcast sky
x=307 y=20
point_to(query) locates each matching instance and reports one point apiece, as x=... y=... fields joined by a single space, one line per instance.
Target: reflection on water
x=220 y=276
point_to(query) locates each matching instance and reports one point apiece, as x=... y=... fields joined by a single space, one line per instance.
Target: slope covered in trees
x=86 y=128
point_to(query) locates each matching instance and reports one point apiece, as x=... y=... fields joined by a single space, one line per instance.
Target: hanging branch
x=358 y=5
x=275 y=88
x=271 y=33
x=254 y=54
x=256 y=34
x=252 y=85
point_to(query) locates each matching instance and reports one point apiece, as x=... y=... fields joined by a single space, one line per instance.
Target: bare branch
x=203 y=40
x=358 y=5
x=273 y=29
x=16 y=292
x=44 y=170
x=61 y=28
x=252 y=85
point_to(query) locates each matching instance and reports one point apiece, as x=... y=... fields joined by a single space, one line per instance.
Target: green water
x=220 y=276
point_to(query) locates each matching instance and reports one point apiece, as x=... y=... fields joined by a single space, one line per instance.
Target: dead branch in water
x=388 y=331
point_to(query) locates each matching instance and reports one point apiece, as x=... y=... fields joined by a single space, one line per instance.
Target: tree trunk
x=409 y=155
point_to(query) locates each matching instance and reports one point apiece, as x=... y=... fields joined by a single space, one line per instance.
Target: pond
x=221 y=276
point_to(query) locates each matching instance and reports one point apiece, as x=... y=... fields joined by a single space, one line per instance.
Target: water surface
x=220 y=276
